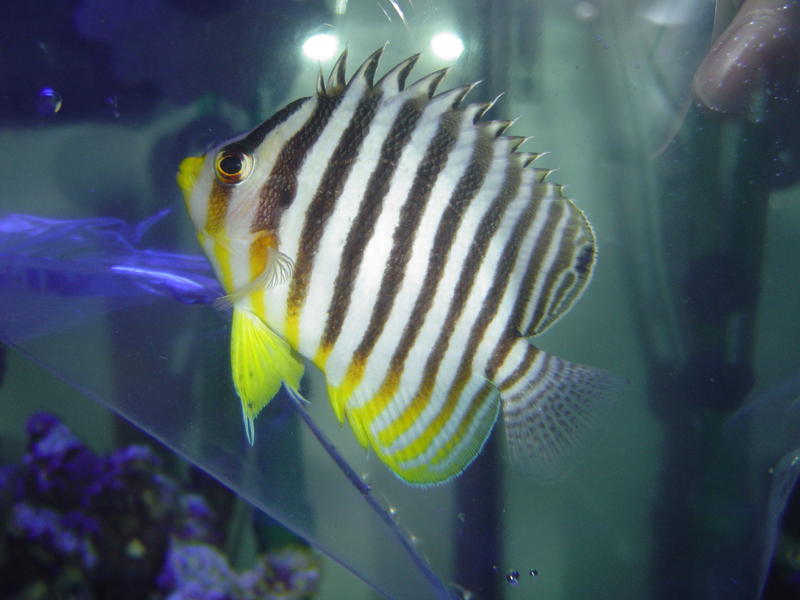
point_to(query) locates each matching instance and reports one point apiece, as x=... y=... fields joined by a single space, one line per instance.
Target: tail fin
x=261 y=360
x=548 y=405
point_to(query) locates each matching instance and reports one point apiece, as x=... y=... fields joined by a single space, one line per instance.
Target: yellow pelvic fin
x=260 y=360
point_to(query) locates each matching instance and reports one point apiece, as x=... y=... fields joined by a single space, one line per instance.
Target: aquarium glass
x=674 y=126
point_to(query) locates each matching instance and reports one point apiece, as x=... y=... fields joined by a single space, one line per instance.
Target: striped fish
x=408 y=250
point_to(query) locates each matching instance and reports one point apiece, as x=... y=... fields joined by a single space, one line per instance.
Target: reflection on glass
x=447 y=45
x=321 y=47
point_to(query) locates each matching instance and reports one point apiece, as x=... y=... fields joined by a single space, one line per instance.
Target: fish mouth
x=188 y=173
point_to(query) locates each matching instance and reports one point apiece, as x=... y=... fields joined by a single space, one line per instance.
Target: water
x=694 y=299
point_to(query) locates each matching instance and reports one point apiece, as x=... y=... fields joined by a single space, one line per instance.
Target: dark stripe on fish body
x=543 y=240
x=559 y=296
x=510 y=409
x=548 y=298
x=487 y=228
x=410 y=217
x=280 y=188
x=489 y=309
x=328 y=192
x=464 y=193
x=370 y=209
x=585 y=258
x=513 y=326
x=521 y=369
x=475 y=404
x=218 y=205
x=255 y=137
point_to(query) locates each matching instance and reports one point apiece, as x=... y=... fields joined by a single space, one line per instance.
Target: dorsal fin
x=429 y=83
x=456 y=95
x=394 y=80
x=366 y=72
x=516 y=141
x=321 y=91
x=336 y=79
x=542 y=174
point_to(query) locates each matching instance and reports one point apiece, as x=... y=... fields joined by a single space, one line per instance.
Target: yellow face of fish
x=408 y=250
x=209 y=181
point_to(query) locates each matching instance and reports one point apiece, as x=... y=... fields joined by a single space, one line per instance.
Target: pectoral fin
x=261 y=360
x=277 y=270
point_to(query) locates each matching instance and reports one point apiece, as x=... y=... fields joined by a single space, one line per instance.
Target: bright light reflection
x=447 y=46
x=322 y=46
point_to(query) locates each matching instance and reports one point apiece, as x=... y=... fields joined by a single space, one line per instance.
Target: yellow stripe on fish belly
x=259 y=255
x=222 y=256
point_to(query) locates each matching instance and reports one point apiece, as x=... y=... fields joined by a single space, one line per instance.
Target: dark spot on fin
x=584 y=260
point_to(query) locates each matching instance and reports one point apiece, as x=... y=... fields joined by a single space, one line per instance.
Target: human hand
x=764 y=34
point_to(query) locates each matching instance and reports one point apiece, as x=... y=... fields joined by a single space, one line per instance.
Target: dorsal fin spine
x=449 y=99
x=394 y=80
x=336 y=79
x=428 y=83
x=366 y=71
x=529 y=157
x=542 y=174
x=516 y=141
x=489 y=105
x=461 y=94
x=321 y=91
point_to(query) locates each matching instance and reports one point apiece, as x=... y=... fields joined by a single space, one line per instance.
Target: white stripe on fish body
x=514 y=359
x=199 y=210
x=448 y=370
x=328 y=260
x=271 y=306
x=430 y=412
x=488 y=404
x=208 y=244
x=375 y=257
x=435 y=319
x=433 y=211
x=495 y=330
x=537 y=294
x=474 y=438
x=308 y=181
x=533 y=236
x=461 y=247
x=242 y=208
x=551 y=306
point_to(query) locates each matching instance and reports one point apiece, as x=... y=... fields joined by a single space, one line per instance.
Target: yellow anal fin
x=260 y=360
x=339 y=396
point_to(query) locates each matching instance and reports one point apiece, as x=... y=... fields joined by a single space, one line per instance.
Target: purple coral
x=81 y=525
x=201 y=572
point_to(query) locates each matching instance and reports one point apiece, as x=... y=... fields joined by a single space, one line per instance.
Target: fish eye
x=233 y=165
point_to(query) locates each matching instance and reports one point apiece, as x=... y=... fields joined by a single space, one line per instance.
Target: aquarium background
x=678 y=492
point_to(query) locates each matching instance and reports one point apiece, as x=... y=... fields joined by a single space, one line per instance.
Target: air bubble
x=512 y=577
x=48 y=101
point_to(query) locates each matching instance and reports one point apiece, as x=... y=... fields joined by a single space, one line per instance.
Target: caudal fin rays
x=549 y=410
